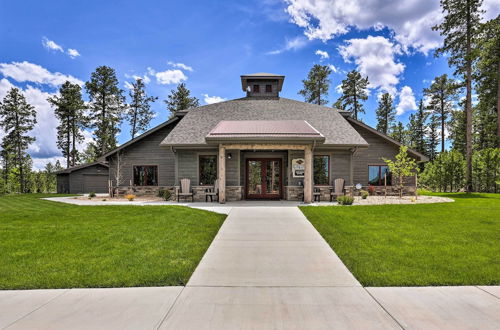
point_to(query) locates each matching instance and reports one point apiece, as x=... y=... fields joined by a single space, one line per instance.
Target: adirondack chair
x=212 y=192
x=338 y=188
x=185 y=190
x=317 y=194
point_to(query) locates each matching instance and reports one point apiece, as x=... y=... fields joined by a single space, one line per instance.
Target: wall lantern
x=229 y=156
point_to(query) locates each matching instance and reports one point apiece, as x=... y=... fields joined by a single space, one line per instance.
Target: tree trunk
x=442 y=121
x=468 y=105
x=68 y=142
x=73 y=151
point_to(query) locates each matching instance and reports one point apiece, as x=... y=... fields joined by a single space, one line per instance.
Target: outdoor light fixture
x=229 y=156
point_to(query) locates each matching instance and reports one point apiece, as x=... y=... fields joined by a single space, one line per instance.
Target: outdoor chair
x=212 y=192
x=186 y=190
x=317 y=194
x=338 y=189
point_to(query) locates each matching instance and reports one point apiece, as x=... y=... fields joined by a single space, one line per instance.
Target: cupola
x=262 y=84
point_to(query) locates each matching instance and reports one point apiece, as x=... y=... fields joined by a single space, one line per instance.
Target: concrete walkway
x=268 y=268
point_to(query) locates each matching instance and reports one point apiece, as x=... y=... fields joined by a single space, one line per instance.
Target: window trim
x=256 y=88
x=329 y=170
x=216 y=167
x=145 y=165
x=381 y=179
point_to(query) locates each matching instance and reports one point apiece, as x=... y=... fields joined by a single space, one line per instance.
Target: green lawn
x=47 y=244
x=414 y=245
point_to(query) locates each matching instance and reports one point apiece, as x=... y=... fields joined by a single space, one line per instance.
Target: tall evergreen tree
x=353 y=92
x=139 y=113
x=442 y=93
x=180 y=99
x=460 y=29
x=17 y=118
x=416 y=129
x=399 y=133
x=105 y=108
x=487 y=121
x=385 y=113
x=432 y=137
x=315 y=87
x=69 y=109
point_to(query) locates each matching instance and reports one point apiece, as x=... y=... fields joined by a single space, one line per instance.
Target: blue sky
x=209 y=44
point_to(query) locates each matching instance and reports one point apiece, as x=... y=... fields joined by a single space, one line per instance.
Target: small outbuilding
x=83 y=179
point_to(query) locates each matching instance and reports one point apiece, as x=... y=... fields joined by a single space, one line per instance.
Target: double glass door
x=264 y=178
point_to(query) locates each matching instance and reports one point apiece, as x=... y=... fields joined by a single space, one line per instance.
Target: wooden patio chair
x=338 y=189
x=212 y=192
x=317 y=194
x=186 y=190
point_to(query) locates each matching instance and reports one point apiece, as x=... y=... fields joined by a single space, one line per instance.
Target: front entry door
x=264 y=178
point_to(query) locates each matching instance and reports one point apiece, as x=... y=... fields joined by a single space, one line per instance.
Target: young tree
x=315 y=87
x=90 y=154
x=445 y=173
x=432 y=137
x=402 y=167
x=353 y=92
x=385 y=113
x=487 y=75
x=105 y=108
x=486 y=164
x=416 y=129
x=139 y=113
x=180 y=99
x=17 y=118
x=50 y=177
x=442 y=93
x=69 y=110
x=399 y=133
x=457 y=130
x=460 y=30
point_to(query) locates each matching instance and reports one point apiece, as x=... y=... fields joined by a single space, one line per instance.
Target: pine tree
x=457 y=129
x=487 y=75
x=139 y=113
x=315 y=87
x=416 y=129
x=442 y=94
x=90 y=153
x=105 y=108
x=17 y=118
x=385 y=113
x=180 y=99
x=460 y=30
x=353 y=92
x=399 y=133
x=69 y=110
x=432 y=137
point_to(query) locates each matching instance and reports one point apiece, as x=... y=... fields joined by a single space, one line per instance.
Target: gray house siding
x=146 y=151
x=62 y=183
x=82 y=181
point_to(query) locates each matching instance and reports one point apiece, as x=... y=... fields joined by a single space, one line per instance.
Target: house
x=92 y=177
x=260 y=146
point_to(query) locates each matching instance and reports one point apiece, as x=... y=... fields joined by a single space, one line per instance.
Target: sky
x=209 y=44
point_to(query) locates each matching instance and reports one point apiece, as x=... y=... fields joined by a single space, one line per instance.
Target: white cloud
x=212 y=99
x=406 y=100
x=375 y=58
x=73 y=53
x=333 y=68
x=26 y=71
x=170 y=77
x=180 y=66
x=128 y=85
x=322 y=54
x=51 y=45
x=290 y=44
x=145 y=78
x=410 y=20
x=491 y=9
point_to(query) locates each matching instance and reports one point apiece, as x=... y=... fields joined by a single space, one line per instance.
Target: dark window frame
x=269 y=88
x=199 y=169
x=328 y=168
x=256 y=88
x=146 y=178
x=380 y=176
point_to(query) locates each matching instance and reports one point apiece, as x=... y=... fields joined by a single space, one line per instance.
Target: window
x=145 y=175
x=376 y=175
x=256 y=88
x=321 y=170
x=208 y=169
x=269 y=88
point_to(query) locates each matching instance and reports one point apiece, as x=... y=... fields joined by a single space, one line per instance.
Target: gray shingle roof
x=198 y=122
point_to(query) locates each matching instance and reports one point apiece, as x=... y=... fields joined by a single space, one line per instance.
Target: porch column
x=222 y=174
x=308 y=184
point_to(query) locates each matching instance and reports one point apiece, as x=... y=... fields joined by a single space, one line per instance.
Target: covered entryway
x=264 y=178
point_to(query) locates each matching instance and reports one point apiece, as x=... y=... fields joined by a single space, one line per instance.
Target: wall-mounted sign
x=298 y=167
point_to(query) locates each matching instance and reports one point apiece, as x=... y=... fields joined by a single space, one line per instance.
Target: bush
x=91 y=194
x=364 y=194
x=165 y=194
x=345 y=200
x=130 y=197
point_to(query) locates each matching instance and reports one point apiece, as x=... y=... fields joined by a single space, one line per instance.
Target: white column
x=222 y=174
x=308 y=174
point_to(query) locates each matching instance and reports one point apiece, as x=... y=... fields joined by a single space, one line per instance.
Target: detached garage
x=82 y=179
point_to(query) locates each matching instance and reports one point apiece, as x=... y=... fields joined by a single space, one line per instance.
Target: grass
x=47 y=244
x=416 y=245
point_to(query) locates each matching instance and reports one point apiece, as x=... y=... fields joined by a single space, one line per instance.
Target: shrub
x=130 y=197
x=345 y=200
x=364 y=194
x=91 y=194
x=165 y=194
